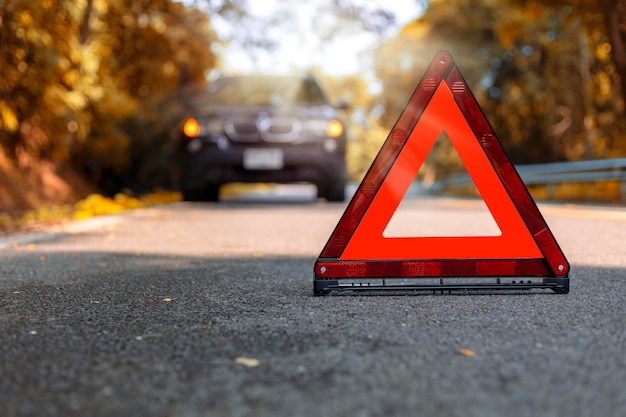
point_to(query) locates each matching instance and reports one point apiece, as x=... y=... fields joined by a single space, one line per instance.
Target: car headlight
x=332 y=128
x=213 y=126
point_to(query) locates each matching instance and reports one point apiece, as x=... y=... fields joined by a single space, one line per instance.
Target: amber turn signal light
x=334 y=128
x=191 y=128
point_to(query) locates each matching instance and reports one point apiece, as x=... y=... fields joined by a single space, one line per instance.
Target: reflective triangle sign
x=525 y=249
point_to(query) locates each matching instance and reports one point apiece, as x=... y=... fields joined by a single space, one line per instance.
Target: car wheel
x=208 y=193
x=334 y=192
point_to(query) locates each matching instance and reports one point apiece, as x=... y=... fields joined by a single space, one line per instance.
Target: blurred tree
x=606 y=19
x=547 y=91
x=615 y=15
x=97 y=83
x=157 y=51
x=565 y=49
x=43 y=95
x=461 y=27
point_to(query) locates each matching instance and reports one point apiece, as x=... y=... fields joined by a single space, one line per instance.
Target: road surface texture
x=208 y=310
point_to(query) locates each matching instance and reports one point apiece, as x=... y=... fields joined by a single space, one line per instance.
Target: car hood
x=301 y=112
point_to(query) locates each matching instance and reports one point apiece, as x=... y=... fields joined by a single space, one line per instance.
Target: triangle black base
x=440 y=286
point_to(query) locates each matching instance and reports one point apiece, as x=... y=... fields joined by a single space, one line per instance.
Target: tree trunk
x=615 y=13
x=84 y=26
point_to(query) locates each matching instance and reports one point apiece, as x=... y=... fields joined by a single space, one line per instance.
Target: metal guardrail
x=556 y=173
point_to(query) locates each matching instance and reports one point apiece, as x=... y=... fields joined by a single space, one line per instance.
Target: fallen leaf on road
x=42 y=258
x=466 y=352
x=248 y=362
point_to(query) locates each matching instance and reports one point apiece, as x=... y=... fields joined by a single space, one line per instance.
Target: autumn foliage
x=542 y=71
x=97 y=85
x=92 y=92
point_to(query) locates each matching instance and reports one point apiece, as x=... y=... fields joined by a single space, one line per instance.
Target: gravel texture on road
x=208 y=310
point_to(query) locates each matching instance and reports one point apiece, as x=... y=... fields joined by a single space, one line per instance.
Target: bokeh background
x=93 y=92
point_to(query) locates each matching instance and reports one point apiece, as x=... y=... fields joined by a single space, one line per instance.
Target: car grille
x=271 y=129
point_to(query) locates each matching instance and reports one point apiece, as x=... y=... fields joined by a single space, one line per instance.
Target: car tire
x=208 y=193
x=334 y=192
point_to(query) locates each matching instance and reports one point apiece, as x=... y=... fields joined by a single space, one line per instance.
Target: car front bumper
x=300 y=163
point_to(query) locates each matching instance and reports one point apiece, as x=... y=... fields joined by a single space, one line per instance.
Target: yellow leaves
x=101 y=6
x=417 y=29
x=158 y=23
x=247 y=362
x=97 y=205
x=8 y=119
x=71 y=76
x=510 y=31
x=45 y=213
x=62 y=101
x=127 y=202
x=603 y=51
x=26 y=19
x=169 y=68
x=76 y=100
x=466 y=352
x=163 y=197
x=5 y=221
x=90 y=61
x=604 y=85
x=19 y=56
x=29 y=29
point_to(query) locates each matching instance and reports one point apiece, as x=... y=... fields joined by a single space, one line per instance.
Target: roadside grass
x=91 y=206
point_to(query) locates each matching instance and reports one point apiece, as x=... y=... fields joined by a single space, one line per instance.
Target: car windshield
x=265 y=91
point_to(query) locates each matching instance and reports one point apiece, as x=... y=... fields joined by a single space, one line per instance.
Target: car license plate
x=263 y=158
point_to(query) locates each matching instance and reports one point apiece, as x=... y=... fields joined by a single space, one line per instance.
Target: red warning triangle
x=442 y=102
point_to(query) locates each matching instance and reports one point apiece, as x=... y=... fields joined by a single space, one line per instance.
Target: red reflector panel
x=332 y=269
x=442 y=102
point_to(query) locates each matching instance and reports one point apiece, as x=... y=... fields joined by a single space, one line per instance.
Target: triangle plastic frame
x=525 y=256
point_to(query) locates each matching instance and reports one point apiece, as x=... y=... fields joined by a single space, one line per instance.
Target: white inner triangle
x=422 y=215
x=440 y=217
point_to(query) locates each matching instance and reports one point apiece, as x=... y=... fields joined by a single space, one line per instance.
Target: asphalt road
x=208 y=310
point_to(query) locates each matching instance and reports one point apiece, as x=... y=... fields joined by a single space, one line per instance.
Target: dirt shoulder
x=31 y=184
